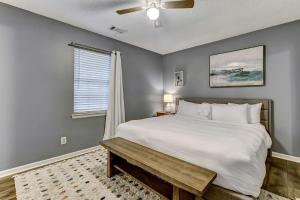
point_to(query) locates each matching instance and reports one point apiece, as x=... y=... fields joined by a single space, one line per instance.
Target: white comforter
x=236 y=152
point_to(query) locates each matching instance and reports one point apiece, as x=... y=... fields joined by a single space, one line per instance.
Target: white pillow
x=201 y=111
x=253 y=112
x=230 y=113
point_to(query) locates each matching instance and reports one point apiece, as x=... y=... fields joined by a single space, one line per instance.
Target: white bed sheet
x=237 y=152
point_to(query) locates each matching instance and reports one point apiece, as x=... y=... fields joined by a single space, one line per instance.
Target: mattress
x=237 y=152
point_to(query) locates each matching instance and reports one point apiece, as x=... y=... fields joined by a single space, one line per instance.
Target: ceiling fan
x=153 y=7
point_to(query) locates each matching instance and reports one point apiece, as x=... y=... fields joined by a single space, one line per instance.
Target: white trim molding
x=86 y=115
x=286 y=157
x=34 y=165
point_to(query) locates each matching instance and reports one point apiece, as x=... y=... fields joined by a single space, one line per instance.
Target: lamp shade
x=168 y=98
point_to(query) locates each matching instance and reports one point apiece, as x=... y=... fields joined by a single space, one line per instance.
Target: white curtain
x=116 y=112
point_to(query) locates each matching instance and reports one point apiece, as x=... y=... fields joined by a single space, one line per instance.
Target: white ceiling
x=208 y=21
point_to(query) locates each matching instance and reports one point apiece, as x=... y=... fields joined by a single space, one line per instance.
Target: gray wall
x=36 y=87
x=37 y=71
x=282 y=77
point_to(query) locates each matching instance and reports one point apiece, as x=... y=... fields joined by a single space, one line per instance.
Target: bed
x=236 y=152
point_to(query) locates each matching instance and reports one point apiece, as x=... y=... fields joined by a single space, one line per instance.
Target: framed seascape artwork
x=240 y=68
x=178 y=76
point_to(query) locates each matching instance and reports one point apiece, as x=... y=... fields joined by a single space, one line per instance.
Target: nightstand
x=164 y=113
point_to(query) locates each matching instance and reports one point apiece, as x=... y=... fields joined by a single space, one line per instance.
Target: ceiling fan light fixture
x=153 y=13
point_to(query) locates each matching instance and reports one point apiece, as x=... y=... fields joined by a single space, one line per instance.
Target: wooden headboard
x=266 y=110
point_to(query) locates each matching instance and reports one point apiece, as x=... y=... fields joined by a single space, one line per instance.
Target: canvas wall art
x=178 y=76
x=239 y=68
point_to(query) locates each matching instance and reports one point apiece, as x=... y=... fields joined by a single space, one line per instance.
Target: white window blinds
x=91 y=81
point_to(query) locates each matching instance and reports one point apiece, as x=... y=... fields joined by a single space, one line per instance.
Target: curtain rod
x=82 y=46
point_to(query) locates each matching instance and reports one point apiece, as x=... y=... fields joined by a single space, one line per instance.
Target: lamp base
x=168 y=108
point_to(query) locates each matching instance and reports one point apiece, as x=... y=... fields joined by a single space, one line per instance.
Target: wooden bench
x=171 y=177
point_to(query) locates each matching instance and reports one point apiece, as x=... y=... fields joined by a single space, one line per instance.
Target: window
x=91 y=83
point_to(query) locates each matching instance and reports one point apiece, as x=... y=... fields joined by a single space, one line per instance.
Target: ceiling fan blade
x=178 y=4
x=130 y=10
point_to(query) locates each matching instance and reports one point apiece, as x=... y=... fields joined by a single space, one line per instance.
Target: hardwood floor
x=283 y=179
x=7 y=189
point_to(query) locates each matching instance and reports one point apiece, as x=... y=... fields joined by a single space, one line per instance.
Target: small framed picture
x=178 y=75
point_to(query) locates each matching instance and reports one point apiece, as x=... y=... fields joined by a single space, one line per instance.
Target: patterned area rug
x=84 y=178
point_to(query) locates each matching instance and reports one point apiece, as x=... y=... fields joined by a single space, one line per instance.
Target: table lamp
x=168 y=99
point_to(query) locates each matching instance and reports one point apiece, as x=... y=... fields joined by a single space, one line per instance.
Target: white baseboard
x=286 y=157
x=30 y=166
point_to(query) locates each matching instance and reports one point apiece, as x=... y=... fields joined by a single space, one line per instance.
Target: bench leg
x=179 y=194
x=110 y=170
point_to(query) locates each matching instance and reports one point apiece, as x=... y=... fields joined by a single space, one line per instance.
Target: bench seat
x=171 y=177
